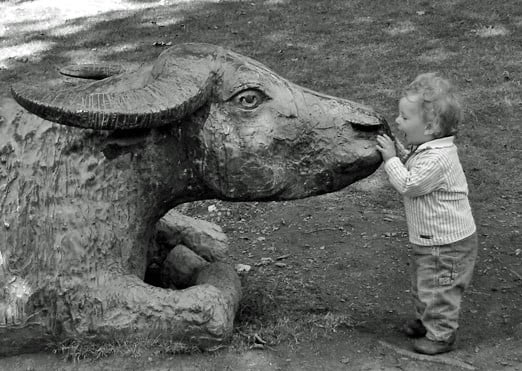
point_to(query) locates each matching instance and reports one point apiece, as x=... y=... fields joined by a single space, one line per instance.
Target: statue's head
x=249 y=133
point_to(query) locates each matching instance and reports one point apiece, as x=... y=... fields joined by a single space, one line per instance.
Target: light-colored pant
x=440 y=274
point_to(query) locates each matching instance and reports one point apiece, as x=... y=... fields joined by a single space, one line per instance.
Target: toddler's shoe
x=432 y=347
x=414 y=329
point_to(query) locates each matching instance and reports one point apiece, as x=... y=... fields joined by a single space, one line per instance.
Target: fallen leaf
x=243 y=268
x=258 y=339
x=265 y=261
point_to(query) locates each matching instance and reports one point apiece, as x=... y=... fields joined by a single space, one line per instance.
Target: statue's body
x=79 y=203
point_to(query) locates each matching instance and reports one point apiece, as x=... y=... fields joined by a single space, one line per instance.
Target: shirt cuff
x=392 y=163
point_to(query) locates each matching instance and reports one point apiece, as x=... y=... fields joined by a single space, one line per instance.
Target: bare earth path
x=370 y=342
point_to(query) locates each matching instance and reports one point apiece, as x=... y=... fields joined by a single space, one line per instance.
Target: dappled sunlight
x=65 y=30
x=155 y=22
x=23 y=50
x=98 y=54
x=57 y=12
x=400 y=28
x=60 y=18
x=436 y=55
x=276 y=2
x=491 y=31
x=278 y=36
x=50 y=18
x=363 y=20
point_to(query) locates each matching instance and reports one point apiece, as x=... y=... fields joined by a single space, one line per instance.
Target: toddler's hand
x=386 y=146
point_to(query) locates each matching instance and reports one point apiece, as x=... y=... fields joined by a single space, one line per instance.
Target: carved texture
x=80 y=207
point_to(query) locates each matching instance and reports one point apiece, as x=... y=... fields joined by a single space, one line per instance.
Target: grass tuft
x=259 y=321
x=87 y=348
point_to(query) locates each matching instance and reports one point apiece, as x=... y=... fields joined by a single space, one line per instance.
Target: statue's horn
x=179 y=82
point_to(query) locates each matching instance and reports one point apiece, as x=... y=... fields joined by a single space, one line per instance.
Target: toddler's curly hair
x=439 y=103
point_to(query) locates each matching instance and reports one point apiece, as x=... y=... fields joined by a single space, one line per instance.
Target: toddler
x=440 y=223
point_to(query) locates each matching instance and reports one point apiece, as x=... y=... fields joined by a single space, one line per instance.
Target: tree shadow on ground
x=49 y=38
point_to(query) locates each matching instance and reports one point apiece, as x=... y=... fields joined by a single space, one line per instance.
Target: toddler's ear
x=430 y=129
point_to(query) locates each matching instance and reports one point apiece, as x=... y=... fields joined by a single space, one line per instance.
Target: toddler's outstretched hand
x=386 y=146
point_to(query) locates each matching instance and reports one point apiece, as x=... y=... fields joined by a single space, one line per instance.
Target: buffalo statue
x=83 y=186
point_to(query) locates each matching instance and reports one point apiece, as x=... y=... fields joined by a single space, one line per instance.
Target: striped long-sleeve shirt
x=435 y=193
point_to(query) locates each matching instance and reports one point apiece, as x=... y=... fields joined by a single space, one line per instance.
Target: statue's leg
x=112 y=304
x=184 y=245
x=204 y=238
x=202 y=314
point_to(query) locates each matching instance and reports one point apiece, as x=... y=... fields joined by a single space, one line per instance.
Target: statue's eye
x=249 y=99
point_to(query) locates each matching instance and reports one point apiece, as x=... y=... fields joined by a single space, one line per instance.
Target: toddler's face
x=410 y=121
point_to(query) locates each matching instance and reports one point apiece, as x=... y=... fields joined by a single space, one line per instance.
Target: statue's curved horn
x=179 y=82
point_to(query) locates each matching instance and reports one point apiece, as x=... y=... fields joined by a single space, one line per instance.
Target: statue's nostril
x=369 y=128
x=378 y=127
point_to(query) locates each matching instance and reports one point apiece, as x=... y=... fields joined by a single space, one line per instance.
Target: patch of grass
x=87 y=348
x=261 y=321
x=258 y=303
x=291 y=329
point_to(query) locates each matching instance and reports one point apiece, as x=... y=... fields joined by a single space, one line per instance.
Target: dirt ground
x=339 y=261
x=343 y=254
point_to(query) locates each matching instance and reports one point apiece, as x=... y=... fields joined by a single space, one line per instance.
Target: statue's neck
x=65 y=192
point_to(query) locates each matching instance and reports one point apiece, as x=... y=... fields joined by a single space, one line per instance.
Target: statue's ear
x=94 y=71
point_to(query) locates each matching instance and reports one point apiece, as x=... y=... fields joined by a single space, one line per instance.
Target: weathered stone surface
x=180 y=267
x=204 y=238
x=79 y=208
x=224 y=277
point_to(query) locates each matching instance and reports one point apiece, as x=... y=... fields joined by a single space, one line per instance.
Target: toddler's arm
x=425 y=176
